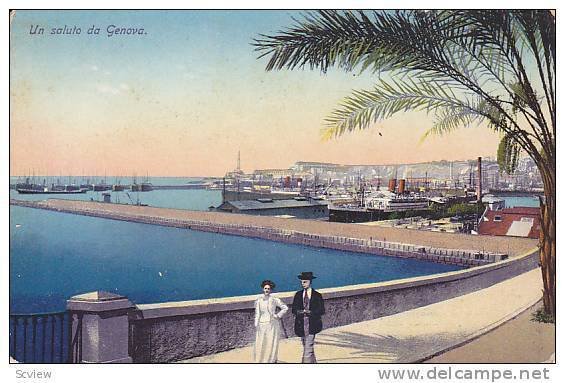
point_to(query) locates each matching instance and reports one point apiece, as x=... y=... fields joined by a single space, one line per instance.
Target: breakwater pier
x=460 y=249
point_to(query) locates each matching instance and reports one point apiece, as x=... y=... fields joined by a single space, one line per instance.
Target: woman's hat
x=306 y=275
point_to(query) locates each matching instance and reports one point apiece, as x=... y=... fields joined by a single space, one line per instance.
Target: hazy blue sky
x=183 y=98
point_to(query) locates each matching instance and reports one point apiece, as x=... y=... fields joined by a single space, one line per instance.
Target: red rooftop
x=515 y=222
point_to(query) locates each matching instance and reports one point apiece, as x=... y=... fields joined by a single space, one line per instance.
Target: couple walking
x=308 y=308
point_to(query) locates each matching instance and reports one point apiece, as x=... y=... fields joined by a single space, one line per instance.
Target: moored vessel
x=379 y=207
x=46 y=190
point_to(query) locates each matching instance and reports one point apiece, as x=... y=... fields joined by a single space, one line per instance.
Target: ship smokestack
x=401 y=186
x=392 y=184
x=479 y=180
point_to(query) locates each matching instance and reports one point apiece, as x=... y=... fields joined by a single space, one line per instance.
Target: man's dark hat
x=306 y=275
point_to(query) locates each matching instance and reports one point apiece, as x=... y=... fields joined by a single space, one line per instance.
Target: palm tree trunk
x=547 y=242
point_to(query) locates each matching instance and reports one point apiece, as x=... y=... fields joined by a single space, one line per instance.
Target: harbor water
x=56 y=255
x=190 y=199
x=532 y=201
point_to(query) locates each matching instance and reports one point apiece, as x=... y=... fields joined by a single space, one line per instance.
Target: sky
x=184 y=96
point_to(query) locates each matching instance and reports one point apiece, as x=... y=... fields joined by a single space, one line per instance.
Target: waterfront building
x=299 y=207
x=514 y=222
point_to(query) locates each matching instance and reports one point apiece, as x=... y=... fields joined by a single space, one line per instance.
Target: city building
x=514 y=222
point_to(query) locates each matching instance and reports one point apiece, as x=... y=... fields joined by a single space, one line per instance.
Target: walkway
x=520 y=340
x=411 y=336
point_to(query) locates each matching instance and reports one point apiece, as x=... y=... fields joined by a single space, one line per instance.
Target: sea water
x=189 y=199
x=529 y=201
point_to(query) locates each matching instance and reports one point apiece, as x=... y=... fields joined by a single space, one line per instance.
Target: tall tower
x=238 y=161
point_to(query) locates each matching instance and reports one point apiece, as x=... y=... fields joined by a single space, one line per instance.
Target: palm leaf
x=508 y=154
x=438 y=59
x=365 y=107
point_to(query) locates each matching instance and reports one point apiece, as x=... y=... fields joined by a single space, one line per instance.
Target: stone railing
x=167 y=332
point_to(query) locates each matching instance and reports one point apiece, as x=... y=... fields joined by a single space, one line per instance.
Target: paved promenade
x=510 y=245
x=411 y=336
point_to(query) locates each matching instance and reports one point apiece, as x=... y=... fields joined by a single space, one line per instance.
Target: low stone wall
x=460 y=257
x=175 y=331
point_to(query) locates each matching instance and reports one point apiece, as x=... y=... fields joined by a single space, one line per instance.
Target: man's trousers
x=308 y=355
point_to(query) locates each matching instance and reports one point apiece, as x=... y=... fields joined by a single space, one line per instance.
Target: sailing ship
x=144 y=186
x=117 y=186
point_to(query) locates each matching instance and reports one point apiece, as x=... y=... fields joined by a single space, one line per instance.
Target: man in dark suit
x=308 y=308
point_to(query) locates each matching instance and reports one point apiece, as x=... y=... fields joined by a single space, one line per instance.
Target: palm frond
x=440 y=59
x=320 y=40
x=450 y=118
x=508 y=154
x=365 y=107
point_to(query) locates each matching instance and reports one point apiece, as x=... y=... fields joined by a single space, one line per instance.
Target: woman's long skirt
x=267 y=342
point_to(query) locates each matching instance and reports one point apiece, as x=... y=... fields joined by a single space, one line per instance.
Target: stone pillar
x=105 y=326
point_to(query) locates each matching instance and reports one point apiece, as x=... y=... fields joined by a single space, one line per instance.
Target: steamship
x=380 y=205
x=378 y=208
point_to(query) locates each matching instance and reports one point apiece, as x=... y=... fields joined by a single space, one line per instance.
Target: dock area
x=312 y=232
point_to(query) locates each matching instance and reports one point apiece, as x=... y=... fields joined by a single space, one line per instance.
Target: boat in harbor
x=101 y=187
x=87 y=186
x=46 y=190
x=71 y=187
x=144 y=186
x=118 y=187
x=378 y=207
x=398 y=203
x=28 y=187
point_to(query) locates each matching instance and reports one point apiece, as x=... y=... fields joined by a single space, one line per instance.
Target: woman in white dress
x=267 y=324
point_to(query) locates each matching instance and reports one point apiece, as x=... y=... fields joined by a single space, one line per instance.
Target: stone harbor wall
x=512 y=246
x=462 y=257
x=168 y=332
